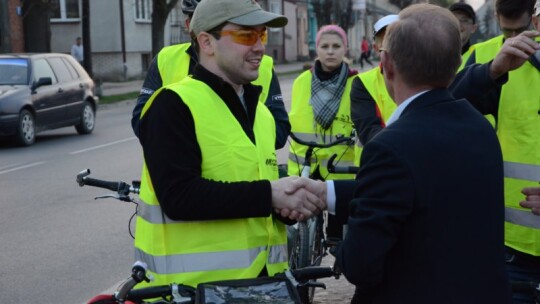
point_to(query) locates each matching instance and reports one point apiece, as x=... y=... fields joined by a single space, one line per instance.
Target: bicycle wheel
x=310 y=251
x=299 y=249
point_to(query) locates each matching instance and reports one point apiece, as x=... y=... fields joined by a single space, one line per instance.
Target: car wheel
x=88 y=119
x=26 y=131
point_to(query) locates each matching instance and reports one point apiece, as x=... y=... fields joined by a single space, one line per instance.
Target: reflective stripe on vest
x=521 y=217
x=522 y=171
x=518 y=125
x=304 y=126
x=173 y=246
x=209 y=261
x=373 y=81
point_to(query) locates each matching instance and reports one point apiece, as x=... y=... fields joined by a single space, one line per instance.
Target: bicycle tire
x=299 y=255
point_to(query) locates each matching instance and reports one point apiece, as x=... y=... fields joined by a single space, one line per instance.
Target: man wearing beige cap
x=209 y=187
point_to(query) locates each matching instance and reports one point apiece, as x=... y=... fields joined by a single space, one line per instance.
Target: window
x=60 y=69
x=143 y=10
x=43 y=69
x=65 y=10
x=14 y=71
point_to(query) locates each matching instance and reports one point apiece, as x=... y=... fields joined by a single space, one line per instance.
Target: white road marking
x=22 y=167
x=101 y=146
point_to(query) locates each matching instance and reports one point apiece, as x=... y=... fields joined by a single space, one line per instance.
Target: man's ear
x=206 y=43
x=475 y=27
x=387 y=66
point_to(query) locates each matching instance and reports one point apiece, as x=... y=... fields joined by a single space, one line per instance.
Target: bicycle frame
x=310 y=243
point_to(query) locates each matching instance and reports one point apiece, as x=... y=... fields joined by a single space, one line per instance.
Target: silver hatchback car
x=46 y=91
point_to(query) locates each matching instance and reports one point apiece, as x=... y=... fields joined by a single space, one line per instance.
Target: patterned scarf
x=326 y=96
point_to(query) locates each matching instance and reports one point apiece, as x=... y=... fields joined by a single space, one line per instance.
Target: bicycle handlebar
x=187 y=293
x=333 y=169
x=525 y=286
x=120 y=187
x=312 y=144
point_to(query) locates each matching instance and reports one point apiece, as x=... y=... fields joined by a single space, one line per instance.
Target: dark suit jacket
x=427 y=221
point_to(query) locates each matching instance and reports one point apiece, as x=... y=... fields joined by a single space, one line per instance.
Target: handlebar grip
x=524 y=286
x=313 y=272
x=349 y=169
x=113 y=186
x=137 y=295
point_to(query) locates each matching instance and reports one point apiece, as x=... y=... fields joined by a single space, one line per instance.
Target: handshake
x=298 y=198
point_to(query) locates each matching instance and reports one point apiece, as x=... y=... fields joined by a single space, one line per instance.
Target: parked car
x=46 y=91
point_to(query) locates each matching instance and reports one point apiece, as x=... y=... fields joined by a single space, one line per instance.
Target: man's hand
x=532 y=201
x=297 y=205
x=314 y=186
x=514 y=53
x=317 y=188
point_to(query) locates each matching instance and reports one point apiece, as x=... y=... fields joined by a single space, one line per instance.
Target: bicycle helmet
x=188 y=6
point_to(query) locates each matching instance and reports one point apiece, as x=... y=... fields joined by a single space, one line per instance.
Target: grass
x=116 y=98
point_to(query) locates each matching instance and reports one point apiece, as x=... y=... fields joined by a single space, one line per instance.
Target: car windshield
x=13 y=71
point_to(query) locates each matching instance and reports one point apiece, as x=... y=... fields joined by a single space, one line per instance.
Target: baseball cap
x=537 y=8
x=211 y=13
x=464 y=7
x=383 y=23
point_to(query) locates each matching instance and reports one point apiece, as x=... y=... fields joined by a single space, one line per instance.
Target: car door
x=46 y=99
x=75 y=109
x=72 y=89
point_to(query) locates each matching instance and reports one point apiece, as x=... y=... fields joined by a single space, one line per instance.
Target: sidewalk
x=118 y=88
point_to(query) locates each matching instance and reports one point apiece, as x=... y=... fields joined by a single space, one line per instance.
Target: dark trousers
x=522 y=267
x=364 y=56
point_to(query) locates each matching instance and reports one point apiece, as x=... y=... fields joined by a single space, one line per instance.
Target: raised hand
x=514 y=53
x=532 y=200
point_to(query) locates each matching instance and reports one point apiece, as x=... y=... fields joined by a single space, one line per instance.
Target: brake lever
x=107 y=196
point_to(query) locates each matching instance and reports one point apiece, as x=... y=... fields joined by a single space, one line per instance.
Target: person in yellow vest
x=371 y=105
x=210 y=194
x=517 y=109
x=467 y=22
x=175 y=62
x=320 y=110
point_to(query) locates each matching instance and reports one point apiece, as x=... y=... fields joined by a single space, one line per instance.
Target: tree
x=160 y=12
x=334 y=12
x=37 y=25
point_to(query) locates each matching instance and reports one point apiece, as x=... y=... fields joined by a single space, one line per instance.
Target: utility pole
x=87 y=45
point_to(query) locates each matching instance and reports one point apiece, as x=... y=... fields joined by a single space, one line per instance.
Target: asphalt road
x=58 y=244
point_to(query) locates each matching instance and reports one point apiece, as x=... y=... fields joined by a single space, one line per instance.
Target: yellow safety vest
x=519 y=134
x=465 y=57
x=191 y=252
x=373 y=80
x=303 y=125
x=173 y=64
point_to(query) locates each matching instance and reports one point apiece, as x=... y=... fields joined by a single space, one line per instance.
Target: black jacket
x=173 y=157
x=427 y=221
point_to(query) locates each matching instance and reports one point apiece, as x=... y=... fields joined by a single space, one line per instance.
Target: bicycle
x=281 y=288
x=179 y=293
x=309 y=242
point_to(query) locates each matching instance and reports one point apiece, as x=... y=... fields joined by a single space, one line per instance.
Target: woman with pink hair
x=320 y=110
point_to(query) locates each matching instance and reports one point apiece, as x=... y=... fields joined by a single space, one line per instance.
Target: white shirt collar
x=397 y=113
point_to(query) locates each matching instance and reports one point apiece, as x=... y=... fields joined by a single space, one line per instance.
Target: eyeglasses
x=464 y=21
x=514 y=32
x=245 y=36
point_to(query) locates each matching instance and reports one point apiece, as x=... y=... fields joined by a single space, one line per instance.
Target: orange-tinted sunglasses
x=245 y=36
